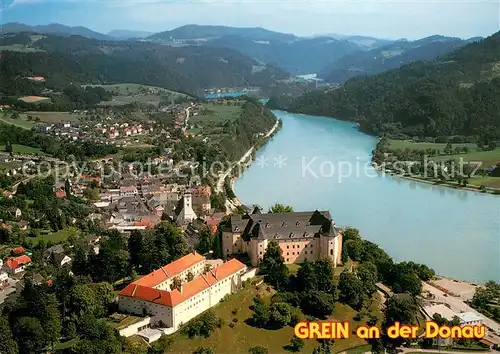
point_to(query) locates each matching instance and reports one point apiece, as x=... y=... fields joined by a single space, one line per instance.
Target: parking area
x=8 y=290
x=464 y=290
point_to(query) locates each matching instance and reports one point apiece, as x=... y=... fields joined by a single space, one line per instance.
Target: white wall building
x=187 y=213
x=153 y=295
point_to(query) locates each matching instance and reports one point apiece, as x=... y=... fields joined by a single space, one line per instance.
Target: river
x=306 y=165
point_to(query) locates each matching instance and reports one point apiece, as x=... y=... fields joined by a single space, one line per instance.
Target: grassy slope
x=242 y=337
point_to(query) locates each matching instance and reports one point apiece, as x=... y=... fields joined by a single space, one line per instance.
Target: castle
x=310 y=235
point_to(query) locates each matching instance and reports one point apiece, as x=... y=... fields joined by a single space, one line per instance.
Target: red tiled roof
x=60 y=194
x=14 y=263
x=170 y=270
x=175 y=297
x=18 y=250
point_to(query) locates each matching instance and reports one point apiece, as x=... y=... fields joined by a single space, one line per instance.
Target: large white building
x=154 y=295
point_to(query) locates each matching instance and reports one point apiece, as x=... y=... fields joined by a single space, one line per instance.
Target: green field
x=129 y=93
x=487 y=158
x=56 y=237
x=408 y=144
x=491 y=182
x=217 y=113
x=243 y=336
x=23 y=149
x=53 y=117
x=21 y=122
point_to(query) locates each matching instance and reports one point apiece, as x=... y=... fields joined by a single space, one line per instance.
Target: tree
x=189 y=276
x=350 y=233
x=258 y=350
x=176 y=284
x=7 y=343
x=8 y=147
x=281 y=208
x=79 y=263
x=318 y=303
x=261 y=314
x=400 y=308
x=280 y=315
x=201 y=350
x=448 y=150
x=273 y=265
x=205 y=241
x=296 y=344
x=354 y=249
x=29 y=334
x=351 y=290
x=92 y=194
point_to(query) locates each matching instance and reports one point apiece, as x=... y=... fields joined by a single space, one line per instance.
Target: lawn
x=128 y=93
x=487 y=158
x=53 y=117
x=217 y=113
x=492 y=182
x=23 y=149
x=20 y=122
x=56 y=237
x=408 y=144
x=243 y=337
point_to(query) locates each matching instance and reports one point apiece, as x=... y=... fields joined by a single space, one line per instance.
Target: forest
x=454 y=95
x=66 y=61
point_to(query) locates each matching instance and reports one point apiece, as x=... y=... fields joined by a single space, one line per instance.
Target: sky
x=379 y=18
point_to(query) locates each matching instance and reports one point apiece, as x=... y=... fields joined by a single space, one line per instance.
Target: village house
x=16 y=265
x=4 y=280
x=128 y=191
x=302 y=236
x=171 y=299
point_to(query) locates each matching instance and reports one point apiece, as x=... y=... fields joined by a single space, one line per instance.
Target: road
x=223 y=176
x=457 y=305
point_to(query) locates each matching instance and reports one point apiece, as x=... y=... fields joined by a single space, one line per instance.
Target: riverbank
x=436 y=182
x=234 y=203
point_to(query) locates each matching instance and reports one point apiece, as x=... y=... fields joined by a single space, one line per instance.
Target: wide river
x=323 y=163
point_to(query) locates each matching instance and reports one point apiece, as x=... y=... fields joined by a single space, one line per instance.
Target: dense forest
x=76 y=60
x=455 y=95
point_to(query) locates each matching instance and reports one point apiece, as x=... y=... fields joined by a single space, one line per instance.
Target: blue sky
x=389 y=19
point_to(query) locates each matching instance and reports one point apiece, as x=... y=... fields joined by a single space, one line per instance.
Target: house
x=302 y=236
x=60 y=194
x=171 y=299
x=17 y=251
x=17 y=213
x=127 y=191
x=60 y=259
x=17 y=264
x=56 y=249
x=470 y=319
x=4 y=280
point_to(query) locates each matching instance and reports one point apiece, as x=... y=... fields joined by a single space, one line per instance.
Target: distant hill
x=363 y=41
x=190 y=32
x=53 y=28
x=387 y=57
x=301 y=56
x=78 y=60
x=126 y=34
x=456 y=94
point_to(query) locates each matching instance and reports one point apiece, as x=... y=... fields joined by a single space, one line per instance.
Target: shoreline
x=469 y=187
x=235 y=202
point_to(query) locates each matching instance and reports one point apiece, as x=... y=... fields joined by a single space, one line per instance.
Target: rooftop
x=441 y=309
x=466 y=317
x=188 y=290
x=170 y=270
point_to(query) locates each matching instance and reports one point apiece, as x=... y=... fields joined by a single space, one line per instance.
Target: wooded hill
x=390 y=56
x=455 y=95
x=77 y=60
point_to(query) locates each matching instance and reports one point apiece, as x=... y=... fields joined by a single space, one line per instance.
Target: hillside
x=302 y=56
x=53 y=28
x=191 y=32
x=388 y=57
x=455 y=95
x=77 y=60
x=127 y=34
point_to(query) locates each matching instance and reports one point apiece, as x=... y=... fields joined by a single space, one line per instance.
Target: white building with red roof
x=16 y=265
x=169 y=306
